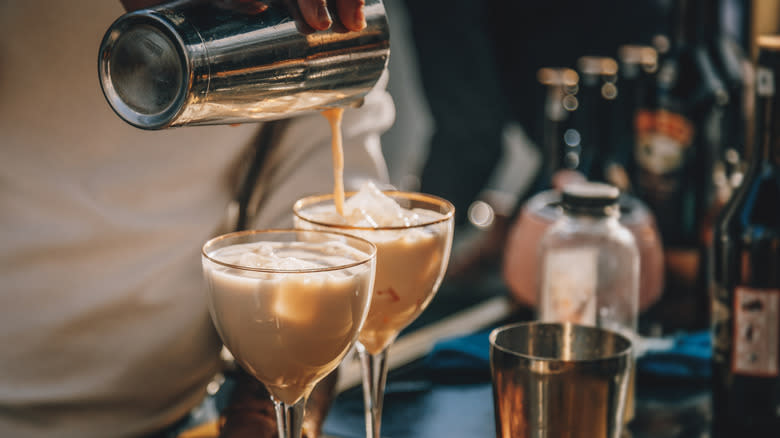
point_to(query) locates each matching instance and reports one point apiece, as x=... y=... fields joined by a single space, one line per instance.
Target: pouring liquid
x=334 y=117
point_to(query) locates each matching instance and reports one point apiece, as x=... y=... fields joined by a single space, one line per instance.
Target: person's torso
x=104 y=322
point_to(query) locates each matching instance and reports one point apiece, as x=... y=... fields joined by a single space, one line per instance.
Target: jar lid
x=590 y=197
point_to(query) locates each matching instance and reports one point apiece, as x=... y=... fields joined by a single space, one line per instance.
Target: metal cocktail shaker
x=197 y=63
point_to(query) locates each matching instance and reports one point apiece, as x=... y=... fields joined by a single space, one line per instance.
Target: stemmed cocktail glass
x=411 y=260
x=288 y=305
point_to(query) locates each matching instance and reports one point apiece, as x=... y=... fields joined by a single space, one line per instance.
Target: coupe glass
x=411 y=261
x=289 y=304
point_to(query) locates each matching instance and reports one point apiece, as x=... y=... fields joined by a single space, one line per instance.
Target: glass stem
x=374 y=376
x=289 y=418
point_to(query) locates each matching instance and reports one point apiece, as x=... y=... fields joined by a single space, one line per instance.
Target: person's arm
x=318 y=14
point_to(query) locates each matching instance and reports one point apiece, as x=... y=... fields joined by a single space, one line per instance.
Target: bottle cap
x=557 y=77
x=597 y=65
x=768 y=42
x=590 y=198
x=636 y=55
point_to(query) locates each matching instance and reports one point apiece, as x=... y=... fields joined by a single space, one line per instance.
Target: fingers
x=350 y=13
x=312 y=13
x=315 y=13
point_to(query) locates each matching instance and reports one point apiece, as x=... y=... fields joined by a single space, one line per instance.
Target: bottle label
x=756 y=331
x=569 y=286
x=662 y=139
x=720 y=318
x=765 y=82
x=663 y=147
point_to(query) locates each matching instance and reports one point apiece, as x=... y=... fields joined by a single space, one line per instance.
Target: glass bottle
x=746 y=277
x=589 y=262
x=636 y=76
x=560 y=143
x=593 y=116
x=736 y=72
x=677 y=145
x=676 y=141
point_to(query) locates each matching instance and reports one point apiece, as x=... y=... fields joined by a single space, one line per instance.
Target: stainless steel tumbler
x=559 y=380
x=198 y=63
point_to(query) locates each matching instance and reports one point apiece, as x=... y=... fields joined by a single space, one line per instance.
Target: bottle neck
x=696 y=21
x=767 y=113
x=710 y=18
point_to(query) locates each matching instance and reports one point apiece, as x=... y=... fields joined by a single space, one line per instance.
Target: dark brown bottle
x=593 y=117
x=561 y=146
x=676 y=141
x=636 y=76
x=746 y=277
x=736 y=72
x=676 y=147
x=735 y=69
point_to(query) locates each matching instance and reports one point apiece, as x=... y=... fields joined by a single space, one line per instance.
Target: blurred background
x=498 y=102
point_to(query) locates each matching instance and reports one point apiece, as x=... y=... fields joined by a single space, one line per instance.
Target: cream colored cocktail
x=288 y=305
x=413 y=236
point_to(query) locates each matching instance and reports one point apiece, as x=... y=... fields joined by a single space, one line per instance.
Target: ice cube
x=294 y=264
x=262 y=255
x=410 y=218
x=326 y=214
x=255 y=260
x=371 y=207
x=264 y=249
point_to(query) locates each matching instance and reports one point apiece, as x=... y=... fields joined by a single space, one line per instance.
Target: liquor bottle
x=637 y=65
x=561 y=145
x=677 y=144
x=735 y=70
x=746 y=278
x=592 y=119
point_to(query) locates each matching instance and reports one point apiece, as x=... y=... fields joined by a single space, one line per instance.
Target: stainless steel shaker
x=197 y=63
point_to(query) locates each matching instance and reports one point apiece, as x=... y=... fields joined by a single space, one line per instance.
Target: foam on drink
x=290 y=329
x=371 y=208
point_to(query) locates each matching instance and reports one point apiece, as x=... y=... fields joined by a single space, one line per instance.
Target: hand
x=315 y=14
x=318 y=14
x=250 y=412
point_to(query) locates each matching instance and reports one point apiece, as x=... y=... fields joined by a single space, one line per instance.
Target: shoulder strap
x=250 y=194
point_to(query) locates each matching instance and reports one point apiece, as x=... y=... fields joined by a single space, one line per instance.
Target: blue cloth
x=465 y=354
x=688 y=358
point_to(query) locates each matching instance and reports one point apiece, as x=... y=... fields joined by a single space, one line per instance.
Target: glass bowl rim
x=369 y=256
x=415 y=196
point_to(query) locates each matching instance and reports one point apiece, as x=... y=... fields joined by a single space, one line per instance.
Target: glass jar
x=589 y=262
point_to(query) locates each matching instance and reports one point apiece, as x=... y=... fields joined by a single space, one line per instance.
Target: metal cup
x=556 y=380
x=199 y=63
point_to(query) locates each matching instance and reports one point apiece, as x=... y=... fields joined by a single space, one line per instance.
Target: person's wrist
x=133 y=5
x=250 y=412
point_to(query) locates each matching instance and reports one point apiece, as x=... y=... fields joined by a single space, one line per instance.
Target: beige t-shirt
x=104 y=326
